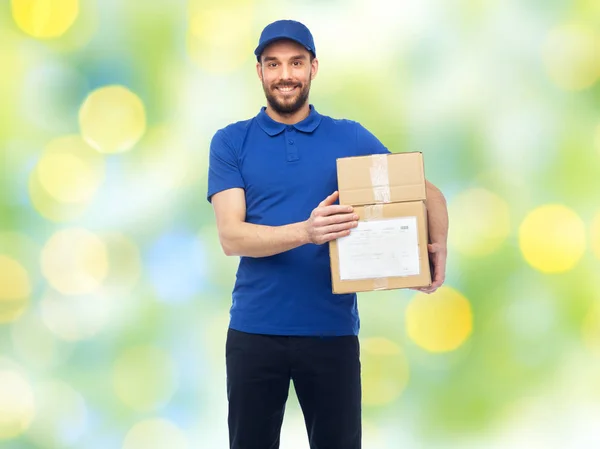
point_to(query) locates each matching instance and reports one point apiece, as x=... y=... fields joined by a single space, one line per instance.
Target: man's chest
x=290 y=177
x=289 y=165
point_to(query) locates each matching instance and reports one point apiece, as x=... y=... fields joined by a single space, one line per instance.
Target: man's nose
x=285 y=72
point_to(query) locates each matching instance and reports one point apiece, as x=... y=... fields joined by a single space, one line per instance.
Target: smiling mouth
x=286 y=89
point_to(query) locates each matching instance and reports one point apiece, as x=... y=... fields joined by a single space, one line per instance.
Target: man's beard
x=288 y=105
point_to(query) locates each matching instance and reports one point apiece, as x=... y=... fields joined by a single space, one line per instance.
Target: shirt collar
x=272 y=128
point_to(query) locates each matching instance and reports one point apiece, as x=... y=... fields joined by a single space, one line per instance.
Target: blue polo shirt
x=286 y=171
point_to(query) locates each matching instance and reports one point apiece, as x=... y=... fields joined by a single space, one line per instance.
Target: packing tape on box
x=380 y=284
x=380 y=179
x=373 y=212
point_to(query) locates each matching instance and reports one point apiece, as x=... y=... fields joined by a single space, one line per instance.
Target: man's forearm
x=437 y=215
x=251 y=240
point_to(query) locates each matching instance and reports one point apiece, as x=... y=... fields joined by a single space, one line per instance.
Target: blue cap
x=285 y=29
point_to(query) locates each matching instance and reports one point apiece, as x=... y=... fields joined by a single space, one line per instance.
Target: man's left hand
x=437 y=256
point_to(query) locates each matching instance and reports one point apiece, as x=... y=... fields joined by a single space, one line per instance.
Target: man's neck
x=289 y=119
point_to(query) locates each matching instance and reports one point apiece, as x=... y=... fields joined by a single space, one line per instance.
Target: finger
x=334 y=210
x=330 y=199
x=335 y=235
x=338 y=227
x=336 y=219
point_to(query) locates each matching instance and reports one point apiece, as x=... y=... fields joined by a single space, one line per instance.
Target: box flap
x=381 y=178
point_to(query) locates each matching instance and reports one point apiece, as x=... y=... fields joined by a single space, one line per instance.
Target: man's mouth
x=286 y=89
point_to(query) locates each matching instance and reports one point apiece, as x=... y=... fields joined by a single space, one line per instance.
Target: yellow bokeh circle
x=572 y=56
x=213 y=46
x=45 y=18
x=15 y=289
x=66 y=178
x=481 y=222
x=74 y=261
x=155 y=367
x=440 y=321
x=112 y=119
x=552 y=238
x=590 y=330
x=155 y=434
x=17 y=404
x=49 y=207
x=385 y=371
x=595 y=235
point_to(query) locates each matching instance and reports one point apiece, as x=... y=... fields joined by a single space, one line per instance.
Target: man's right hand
x=329 y=221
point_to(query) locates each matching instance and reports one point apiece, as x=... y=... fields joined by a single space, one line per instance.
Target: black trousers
x=326 y=376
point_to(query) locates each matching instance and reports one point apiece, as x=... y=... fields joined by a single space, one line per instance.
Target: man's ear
x=259 y=71
x=314 y=68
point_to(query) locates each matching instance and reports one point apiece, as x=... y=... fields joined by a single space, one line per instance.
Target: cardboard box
x=388 y=249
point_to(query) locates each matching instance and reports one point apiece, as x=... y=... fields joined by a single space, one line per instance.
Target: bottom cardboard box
x=387 y=250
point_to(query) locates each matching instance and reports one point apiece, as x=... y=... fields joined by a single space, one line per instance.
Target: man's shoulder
x=236 y=127
x=234 y=133
x=343 y=125
x=340 y=122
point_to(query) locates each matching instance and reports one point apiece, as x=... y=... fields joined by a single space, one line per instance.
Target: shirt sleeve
x=367 y=143
x=223 y=166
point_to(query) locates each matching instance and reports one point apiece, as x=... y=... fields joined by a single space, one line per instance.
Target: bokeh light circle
x=49 y=207
x=112 y=119
x=15 y=289
x=74 y=261
x=552 y=238
x=155 y=434
x=590 y=329
x=17 y=404
x=440 y=321
x=66 y=178
x=595 y=235
x=481 y=222
x=153 y=365
x=74 y=318
x=45 y=18
x=210 y=43
x=385 y=371
x=572 y=56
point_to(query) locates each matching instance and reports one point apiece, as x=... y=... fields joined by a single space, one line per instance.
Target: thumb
x=330 y=199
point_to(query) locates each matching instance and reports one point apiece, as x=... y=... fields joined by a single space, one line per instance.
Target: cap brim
x=258 y=51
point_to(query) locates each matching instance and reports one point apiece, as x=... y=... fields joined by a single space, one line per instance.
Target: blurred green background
x=114 y=292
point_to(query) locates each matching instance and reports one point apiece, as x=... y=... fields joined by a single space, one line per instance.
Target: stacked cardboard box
x=388 y=248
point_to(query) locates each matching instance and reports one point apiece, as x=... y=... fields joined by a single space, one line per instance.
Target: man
x=272 y=182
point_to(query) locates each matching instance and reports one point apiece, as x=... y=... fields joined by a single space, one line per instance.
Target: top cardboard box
x=381 y=178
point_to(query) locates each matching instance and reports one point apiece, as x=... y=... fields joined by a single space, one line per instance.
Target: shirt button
x=290 y=128
x=291 y=142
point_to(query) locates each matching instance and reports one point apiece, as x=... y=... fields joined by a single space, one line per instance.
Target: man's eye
x=272 y=64
x=297 y=63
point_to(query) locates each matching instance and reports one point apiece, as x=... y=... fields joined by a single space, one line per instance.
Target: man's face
x=286 y=70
